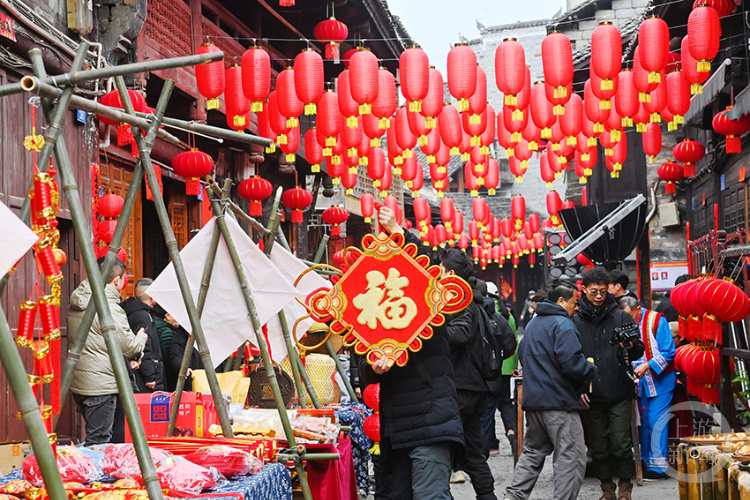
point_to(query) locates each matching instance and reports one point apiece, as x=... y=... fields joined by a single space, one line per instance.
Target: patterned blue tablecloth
x=354 y=414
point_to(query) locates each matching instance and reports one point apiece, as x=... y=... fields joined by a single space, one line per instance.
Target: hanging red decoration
x=653 y=43
x=545 y=170
x=541 y=110
x=331 y=32
x=593 y=111
x=107 y=230
x=209 y=76
x=554 y=205
x=255 y=190
x=290 y=147
x=626 y=103
x=414 y=67
x=286 y=97
x=114 y=100
x=313 y=150
x=310 y=84
x=689 y=152
x=256 y=76
x=558 y=103
x=657 y=102
x=690 y=68
x=237 y=104
x=192 y=165
x=704 y=30
x=471 y=180
x=652 y=141
x=722 y=7
x=733 y=129
x=678 y=97
x=450 y=128
x=386 y=102
x=110 y=205
x=518 y=211
x=478 y=100
x=367 y=207
x=329 y=122
x=278 y=122
x=432 y=104
x=510 y=66
x=335 y=216
x=364 y=79
x=572 y=121
x=462 y=74
x=347 y=105
x=557 y=62
x=606 y=53
x=670 y=172
x=297 y=200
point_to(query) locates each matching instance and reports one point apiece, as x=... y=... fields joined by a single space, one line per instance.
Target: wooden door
x=177 y=206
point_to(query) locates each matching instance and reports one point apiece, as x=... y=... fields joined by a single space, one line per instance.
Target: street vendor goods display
x=388 y=299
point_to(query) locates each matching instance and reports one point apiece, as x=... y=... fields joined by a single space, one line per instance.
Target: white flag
x=16 y=238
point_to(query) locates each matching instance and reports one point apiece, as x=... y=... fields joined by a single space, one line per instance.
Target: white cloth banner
x=291 y=267
x=16 y=238
x=225 y=320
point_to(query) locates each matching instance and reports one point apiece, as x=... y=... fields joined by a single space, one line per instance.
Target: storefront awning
x=741 y=105
x=711 y=88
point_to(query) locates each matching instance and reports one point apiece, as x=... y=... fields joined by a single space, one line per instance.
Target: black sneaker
x=652 y=475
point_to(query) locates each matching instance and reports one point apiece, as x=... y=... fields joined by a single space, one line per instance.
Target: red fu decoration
x=335 y=216
x=670 y=172
x=331 y=32
x=297 y=200
x=733 y=129
x=192 y=165
x=689 y=153
x=210 y=77
x=255 y=190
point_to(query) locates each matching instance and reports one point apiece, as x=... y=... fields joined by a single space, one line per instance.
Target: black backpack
x=486 y=350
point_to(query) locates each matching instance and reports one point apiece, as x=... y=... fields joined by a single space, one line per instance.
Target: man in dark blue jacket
x=555 y=373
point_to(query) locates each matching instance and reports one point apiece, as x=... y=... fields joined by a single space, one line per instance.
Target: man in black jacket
x=608 y=419
x=420 y=422
x=176 y=353
x=140 y=309
x=555 y=372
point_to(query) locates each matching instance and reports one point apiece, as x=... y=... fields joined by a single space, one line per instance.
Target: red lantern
x=432 y=104
x=541 y=110
x=367 y=207
x=548 y=175
x=690 y=68
x=422 y=213
x=310 y=84
x=331 y=32
x=286 y=97
x=657 y=102
x=510 y=69
x=727 y=301
x=554 y=205
x=418 y=126
x=678 y=96
x=619 y=154
x=516 y=168
x=572 y=121
x=237 y=104
x=594 y=112
x=626 y=103
x=386 y=181
x=279 y=123
x=291 y=145
x=557 y=62
x=689 y=153
x=192 y=165
x=405 y=139
x=371 y=427
x=364 y=79
x=733 y=129
x=447 y=212
x=114 y=100
x=107 y=230
x=704 y=30
x=110 y=205
x=670 y=172
x=462 y=74
x=518 y=211
x=386 y=102
x=313 y=150
x=297 y=200
x=492 y=176
x=478 y=100
x=256 y=76
x=438 y=175
x=653 y=43
x=102 y=252
x=335 y=216
x=652 y=141
x=606 y=53
x=414 y=67
x=451 y=131
x=255 y=190
x=470 y=179
x=209 y=76
x=722 y=7
x=329 y=118
x=371 y=127
x=641 y=78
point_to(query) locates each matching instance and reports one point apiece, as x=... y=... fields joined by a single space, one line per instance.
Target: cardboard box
x=197 y=413
x=12 y=454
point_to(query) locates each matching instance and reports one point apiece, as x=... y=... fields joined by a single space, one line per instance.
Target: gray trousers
x=560 y=432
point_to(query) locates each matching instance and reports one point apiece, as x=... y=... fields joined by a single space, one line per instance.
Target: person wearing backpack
x=470 y=356
x=555 y=376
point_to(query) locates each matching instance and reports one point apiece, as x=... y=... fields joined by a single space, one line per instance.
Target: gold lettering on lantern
x=384 y=301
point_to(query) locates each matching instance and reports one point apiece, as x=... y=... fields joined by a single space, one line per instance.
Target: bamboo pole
x=241 y=215
x=202 y=294
x=223 y=133
x=293 y=355
x=321 y=249
x=75 y=77
x=270 y=373
x=179 y=268
x=28 y=407
x=109 y=331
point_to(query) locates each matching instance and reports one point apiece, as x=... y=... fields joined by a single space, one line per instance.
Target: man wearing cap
x=528 y=308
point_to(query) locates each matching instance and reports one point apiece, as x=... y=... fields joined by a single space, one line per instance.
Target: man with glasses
x=608 y=419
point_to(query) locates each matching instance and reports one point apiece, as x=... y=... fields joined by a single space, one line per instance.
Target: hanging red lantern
x=558 y=103
x=541 y=110
x=422 y=213
x=114 y=100
x=690 y=68
x=331 y=32
x=278 y=122
x=347 y=105
x=386 y=102
x=516 y=168
x=110 y=205
x=554 y=205
x=733 y=129
x=335 y=216
x=510 y=66
x=237 y=104
x=367 y=207
x=290 y=147
x=255 y=190
x=471 y=180
x=286 y=97
x=653 y=43
x=209 y=76
x=652 y=141
x=722 y=7
x=626 y=104
x=439 y=176
x=297 y=200
x=451 y=131
x=364 y=79
x=414 y=67
x=447 y=212
x=349 y=181
x=462 y=74
x=689 y=153
x=518 y=211
x=371 y=128
x=376 y=166
x=404 y=137
x=418 y=126
x=678 y=96
x=313 y=150
x=522 y=153
x=386 y=181
x=606 y=53
x=657 y=102
x=512 y=125
x=726 y=301
x=670 y=172
x=545 y=170
x=492 y=177
x=571 y=122
x=107 y=230
x=256 y=76
x=432 y=104
x=329 y=122
x=192 y=165
x=418 y=182
x=557 y=62
x=619 y=154
x=593 y=111
x=310 y=84
x=704 y=30
x=641 y=78
x=478 y=100
x=532 y=133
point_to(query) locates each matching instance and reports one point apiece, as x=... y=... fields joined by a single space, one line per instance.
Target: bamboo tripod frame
x=54 y=142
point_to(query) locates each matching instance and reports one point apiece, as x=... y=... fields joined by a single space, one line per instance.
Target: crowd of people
x=592 y=357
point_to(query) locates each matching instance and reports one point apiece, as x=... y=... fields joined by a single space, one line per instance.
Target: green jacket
x=94 y=375
x=511 y=364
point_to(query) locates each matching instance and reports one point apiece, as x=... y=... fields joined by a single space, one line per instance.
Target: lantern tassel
x=582 y=180
x=311 y=109
x=591 y=142
x=292 y=122
x=315 y=168
x=627 y=122
x=256 y=208
x=212 y=103
x=696 y=88
x=605 y=104
x=734 y=144
x=124 y=135
x=352 y=122
x=384 y=123
x=365 y=109
x=655 y=77
x=332 y=51
x=297 y=216
x=519 y=179
x=193 y=186
x=255 y=106
x=415 y=106
x=689 y=169
x=511 y=100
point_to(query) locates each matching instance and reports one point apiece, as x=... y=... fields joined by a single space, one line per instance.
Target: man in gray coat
x=94 y=386
x=555 y=373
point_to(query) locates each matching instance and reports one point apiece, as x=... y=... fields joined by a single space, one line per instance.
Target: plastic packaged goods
x=74 y=466
x=121 y=461
x=118 y=495
x=230 y=462
x=17 y=488
x=179 y=474
x=315 y=429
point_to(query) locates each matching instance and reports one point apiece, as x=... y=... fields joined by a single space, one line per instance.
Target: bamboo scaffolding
x=202 y=294
x=223 y=133
x=270 y=373
x=75 y=77
x=28 y=407
x=179 y=268
x=125 y=389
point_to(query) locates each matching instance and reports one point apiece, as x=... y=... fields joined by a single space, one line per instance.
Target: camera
x=625 y=335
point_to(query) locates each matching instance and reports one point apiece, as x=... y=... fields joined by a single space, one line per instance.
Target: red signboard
x=7 y=27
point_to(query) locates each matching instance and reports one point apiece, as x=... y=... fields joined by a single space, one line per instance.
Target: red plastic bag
x=230 y=462
x=121 y=461
x=177 y=473
x=74 y=466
